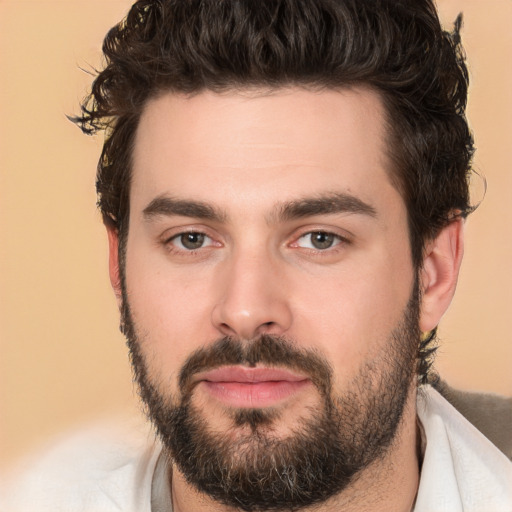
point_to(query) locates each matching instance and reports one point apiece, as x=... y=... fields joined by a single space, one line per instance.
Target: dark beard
x=326 y=450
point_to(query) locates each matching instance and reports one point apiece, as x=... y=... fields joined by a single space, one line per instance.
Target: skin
x=247 y=155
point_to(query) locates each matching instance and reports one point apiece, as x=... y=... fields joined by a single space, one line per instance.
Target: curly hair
x=395 y=47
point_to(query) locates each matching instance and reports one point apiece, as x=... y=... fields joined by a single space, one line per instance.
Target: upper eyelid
x=342 y=243
x=341 y=238
x=209 y=241
x=177 y=247
x=326 y=231
x=175 y=232
x=343 y=234
x=194 y=232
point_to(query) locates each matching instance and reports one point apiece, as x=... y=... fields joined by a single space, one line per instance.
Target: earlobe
x=113 y=262
x=439 y=273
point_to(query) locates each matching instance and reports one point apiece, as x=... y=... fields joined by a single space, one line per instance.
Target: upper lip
x=249 y=375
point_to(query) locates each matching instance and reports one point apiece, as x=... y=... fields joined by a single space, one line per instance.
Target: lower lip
x=254 y=394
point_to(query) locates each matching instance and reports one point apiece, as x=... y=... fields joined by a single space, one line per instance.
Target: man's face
x=268 y=266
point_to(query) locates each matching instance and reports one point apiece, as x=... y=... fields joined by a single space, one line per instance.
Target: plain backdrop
x=62 y=360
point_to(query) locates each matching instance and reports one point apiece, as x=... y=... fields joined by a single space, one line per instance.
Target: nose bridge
x=252 y=298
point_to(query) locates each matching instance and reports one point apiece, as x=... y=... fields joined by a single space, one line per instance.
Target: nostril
x=226 y=329
x=246 y=320
x=266 y=327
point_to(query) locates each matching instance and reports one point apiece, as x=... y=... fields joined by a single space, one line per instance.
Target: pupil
x=192 y=240
x=322 y=240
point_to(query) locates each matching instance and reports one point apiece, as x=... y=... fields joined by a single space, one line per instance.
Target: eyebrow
x=169 y=206
x=325 y=205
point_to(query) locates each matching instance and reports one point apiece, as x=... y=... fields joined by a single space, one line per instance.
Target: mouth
x=242 y=387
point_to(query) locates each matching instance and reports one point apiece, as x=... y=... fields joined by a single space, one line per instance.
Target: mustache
x=269 y=350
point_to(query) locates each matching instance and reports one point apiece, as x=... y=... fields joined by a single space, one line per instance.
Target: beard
x=248 y=466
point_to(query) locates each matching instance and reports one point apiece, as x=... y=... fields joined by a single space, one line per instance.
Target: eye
x=191 y=241
x=319 y=240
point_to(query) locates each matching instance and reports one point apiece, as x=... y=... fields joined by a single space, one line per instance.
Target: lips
x=238 y=386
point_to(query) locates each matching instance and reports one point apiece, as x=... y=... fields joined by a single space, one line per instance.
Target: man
x=283 y=185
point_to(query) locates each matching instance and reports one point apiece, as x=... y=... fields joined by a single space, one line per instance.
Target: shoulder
x=491 y=414
x=462 y=469
x=105 y=467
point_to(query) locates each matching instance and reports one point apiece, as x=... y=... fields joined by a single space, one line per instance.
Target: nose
x=253 y=298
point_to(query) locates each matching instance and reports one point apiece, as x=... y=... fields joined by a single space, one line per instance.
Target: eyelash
x=170 y=244
x=338 y=242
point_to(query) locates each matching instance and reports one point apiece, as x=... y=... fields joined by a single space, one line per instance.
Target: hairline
x=254 y=90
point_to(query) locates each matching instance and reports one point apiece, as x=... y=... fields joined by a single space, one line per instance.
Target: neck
x=388 y=485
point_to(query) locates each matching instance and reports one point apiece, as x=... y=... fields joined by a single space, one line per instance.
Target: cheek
x=350 y=318
x=170 y=312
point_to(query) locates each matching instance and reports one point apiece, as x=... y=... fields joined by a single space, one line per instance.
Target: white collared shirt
x=462 y=470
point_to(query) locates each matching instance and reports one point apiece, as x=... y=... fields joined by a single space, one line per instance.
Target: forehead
x=248 y=146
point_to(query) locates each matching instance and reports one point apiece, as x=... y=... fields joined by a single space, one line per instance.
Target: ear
x=439 y=274
x=113 y=262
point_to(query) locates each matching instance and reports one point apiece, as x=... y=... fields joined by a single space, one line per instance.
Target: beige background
x=62 y=360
